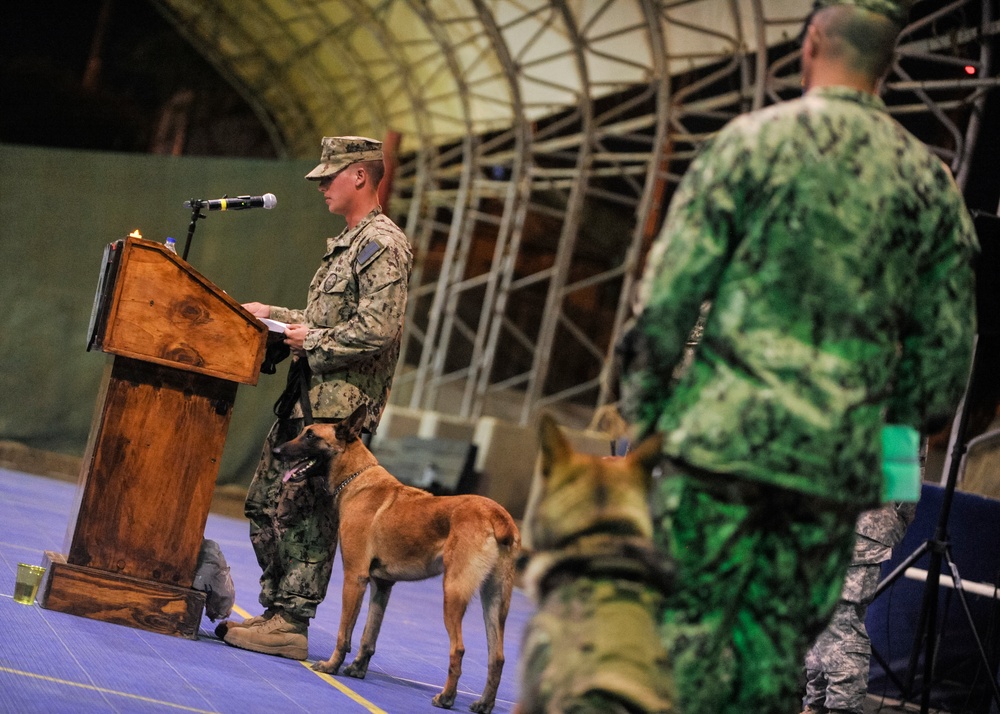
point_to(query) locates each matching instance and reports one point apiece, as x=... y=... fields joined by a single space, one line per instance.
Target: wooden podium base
x=120 y=599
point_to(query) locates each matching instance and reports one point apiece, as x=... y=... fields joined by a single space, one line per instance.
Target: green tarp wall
x=59 y=209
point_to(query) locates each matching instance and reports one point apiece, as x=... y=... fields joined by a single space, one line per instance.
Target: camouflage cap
x=340 y=152
x=896 y=10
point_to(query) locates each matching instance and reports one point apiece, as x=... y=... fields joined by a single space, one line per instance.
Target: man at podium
x=345 y=344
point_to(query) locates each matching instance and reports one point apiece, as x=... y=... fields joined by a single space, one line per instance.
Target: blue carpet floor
x=53 y=662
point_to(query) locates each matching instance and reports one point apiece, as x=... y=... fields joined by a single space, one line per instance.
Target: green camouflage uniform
x=837 y=664
x=355 y=312
x=835 y=251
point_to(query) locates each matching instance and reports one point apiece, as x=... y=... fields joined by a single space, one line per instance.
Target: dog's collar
x=350 y=478
x=597 y=556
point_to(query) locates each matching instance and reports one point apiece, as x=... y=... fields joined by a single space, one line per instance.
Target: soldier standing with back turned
x=835 y=250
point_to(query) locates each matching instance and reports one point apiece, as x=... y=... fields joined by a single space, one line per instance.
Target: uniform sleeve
x=287 y=315
x=382 y=288
x=936 y=344
x=684 y=269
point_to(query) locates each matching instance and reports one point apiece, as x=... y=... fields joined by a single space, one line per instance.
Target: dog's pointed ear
x=555 y=448
x=648 y=453
x=349 y=429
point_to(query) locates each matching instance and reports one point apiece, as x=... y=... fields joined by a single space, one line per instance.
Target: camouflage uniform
x=835 y=250
x=355 y=312
x=837 y=664
x=592 y=644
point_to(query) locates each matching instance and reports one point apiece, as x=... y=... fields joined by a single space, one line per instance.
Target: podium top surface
x=164 y=311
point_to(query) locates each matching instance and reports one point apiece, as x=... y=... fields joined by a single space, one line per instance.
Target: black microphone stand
x=196 y=206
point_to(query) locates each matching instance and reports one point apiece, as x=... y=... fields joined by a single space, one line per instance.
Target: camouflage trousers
x=293 y=531
x=758 y=571
x=592 y=648
x=837 y=664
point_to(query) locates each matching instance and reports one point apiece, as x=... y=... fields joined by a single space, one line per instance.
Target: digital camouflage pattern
x=355 y=310
x=754 y=588
x=837 y=664
x=339 y=152
x=293 y=531
x=592 y=648
x=835 y=250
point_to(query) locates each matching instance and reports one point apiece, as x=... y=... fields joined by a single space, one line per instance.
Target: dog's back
x=451 y=528
x=390 y=531
x=598 y=583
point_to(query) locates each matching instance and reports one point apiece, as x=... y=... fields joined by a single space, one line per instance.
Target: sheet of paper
x=274 y=325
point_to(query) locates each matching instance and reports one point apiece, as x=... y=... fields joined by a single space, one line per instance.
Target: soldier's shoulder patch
x=369 y=252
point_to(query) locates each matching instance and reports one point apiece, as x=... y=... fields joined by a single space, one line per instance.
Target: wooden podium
x=180 y=348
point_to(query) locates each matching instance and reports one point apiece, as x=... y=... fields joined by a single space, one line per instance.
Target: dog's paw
x=442 y=701
x=356 y=669
x=481 y=706
x=326 y=667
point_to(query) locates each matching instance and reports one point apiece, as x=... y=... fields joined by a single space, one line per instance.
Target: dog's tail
x=505 y=531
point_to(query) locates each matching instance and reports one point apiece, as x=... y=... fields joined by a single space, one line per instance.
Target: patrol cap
x=896 y=10
x=339 y=152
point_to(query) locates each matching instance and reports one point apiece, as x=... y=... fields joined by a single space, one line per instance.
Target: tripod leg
x=972 y=625
x=928 y=624
x=905 y=689
x=900 y=569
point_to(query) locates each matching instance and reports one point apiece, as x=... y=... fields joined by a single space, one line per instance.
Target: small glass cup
x=28 y=579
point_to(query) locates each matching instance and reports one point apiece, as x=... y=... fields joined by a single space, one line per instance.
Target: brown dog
x=391 y=532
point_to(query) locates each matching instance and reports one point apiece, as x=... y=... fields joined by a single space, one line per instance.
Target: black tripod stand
x=939 y=546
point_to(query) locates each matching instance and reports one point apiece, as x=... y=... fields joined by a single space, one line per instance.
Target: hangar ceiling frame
x=540 y=142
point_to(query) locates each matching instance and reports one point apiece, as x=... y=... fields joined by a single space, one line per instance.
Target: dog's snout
x=282 y=451
x=289 y=450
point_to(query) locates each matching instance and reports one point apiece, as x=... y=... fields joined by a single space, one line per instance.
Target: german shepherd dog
x=390 y=532
x=593 y=644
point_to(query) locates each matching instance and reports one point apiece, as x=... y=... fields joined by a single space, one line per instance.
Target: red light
x=969 y=69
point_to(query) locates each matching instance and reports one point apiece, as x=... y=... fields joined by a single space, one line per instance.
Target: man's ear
x=814 y=40
x=361 y=177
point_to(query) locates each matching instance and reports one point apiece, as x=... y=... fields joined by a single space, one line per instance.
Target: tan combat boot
x=283 y=635
x=223 y=627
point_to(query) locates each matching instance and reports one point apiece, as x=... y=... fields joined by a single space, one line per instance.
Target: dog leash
x=350 y=478
x=296 y=390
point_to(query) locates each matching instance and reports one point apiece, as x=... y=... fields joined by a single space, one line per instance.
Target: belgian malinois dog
x=390 y=532
x=598 y=581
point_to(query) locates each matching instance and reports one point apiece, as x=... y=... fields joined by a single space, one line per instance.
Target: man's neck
x=355 y=214
x=836 y=76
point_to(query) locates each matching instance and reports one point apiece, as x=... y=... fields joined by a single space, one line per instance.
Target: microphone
x=238 y=203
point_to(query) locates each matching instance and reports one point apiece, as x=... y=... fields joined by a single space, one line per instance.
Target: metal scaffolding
x=541 y=141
